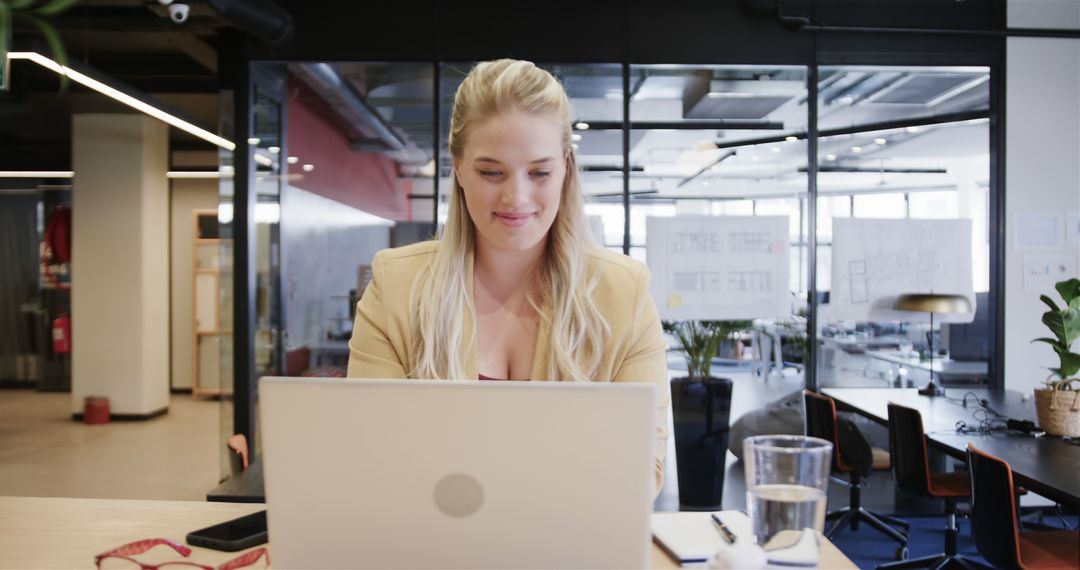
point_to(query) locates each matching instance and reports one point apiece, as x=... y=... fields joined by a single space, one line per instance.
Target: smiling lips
x=513 y=220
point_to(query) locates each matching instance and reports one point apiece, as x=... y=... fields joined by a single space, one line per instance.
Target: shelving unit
x=206 y=305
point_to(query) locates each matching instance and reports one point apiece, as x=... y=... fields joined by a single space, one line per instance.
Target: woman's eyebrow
x=489 y=159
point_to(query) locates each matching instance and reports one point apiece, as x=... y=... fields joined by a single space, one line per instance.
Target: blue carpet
x=867 y=547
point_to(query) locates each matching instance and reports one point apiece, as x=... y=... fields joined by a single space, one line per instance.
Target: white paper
x=719 y=267
x=1043 y=270
x=874 y=261
x=1037 y=230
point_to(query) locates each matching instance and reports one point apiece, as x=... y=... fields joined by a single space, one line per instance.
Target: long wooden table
x=1049 y=466
x=40 y=532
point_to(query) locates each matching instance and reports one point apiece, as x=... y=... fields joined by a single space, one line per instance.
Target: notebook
x=691 y=537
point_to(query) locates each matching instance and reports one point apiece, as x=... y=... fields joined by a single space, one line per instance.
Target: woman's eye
x=489 y=173
x=541 y=174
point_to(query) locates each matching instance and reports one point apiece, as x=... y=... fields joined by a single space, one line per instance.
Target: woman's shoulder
x=398 y=266
x=615 y=266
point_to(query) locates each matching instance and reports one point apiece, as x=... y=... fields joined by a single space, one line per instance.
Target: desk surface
x=1046 y=465
x=50 y=532
x=943 y=366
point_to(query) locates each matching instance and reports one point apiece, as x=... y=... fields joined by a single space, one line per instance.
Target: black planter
x=700 y=413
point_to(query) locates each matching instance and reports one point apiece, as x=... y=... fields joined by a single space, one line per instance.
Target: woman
x=514 y=289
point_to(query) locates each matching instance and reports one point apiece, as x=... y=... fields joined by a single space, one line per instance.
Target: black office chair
x=821 y=422
x=994 y=522
x=911 y=471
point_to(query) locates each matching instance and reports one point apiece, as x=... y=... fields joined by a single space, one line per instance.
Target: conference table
x=1047 y=465
x=52 y=532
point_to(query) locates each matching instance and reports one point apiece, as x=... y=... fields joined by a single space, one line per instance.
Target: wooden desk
x=1046 y=465
x=40 y=532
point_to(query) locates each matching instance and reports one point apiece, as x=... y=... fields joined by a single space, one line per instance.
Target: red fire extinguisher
x=61 y=334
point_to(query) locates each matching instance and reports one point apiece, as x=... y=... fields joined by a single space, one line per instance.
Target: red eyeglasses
x=121 y=557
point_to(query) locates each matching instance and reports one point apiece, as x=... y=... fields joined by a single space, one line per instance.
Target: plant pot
x=1058 y=411
x=700 y=414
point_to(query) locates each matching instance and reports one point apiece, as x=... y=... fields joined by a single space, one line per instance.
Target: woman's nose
x=516 y=189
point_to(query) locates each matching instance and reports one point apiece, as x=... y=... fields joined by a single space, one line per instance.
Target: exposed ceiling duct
x=261 y=18
x=363 y=123
x=737 y=98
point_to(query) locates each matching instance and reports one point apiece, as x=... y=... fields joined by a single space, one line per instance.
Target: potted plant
x=1058 y=404
x=700 y=405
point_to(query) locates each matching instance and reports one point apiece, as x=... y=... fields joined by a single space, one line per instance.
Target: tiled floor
x=44 y=453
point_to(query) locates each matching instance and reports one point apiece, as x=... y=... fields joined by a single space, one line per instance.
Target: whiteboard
x=874 y=261
x=719 y=267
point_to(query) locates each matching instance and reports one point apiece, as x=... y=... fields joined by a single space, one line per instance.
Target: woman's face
x=512 y=170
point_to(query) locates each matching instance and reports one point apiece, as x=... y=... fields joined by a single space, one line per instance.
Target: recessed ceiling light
x=575 y=137
x=274 y=149
x=880 y=141
x=846 y=100
x=791 y=138
x=581 y=126
x=830 y=157
x=254 y=140
x=856 y=149
x=573 y=146
x=292 y=160
x=308 y=167
x=775 y=150
x=912 y=129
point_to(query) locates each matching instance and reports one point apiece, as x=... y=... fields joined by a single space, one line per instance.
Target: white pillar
x=120 y=255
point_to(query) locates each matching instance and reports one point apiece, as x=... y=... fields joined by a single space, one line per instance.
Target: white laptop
x=439 y=474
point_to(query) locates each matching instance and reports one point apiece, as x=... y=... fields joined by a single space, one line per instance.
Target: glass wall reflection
x=904 y=168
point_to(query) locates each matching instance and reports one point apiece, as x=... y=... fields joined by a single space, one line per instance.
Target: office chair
x=911 y=471
x=821 y=422
x=994 y=523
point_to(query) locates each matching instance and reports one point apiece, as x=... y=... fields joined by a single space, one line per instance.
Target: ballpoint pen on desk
x=724 y=530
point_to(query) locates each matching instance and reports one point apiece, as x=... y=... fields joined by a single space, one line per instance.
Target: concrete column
x=120 y=256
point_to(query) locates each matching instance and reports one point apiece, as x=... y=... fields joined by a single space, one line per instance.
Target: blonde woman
x=514 y=289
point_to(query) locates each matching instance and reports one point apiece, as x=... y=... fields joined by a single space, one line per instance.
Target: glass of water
x=787 y=477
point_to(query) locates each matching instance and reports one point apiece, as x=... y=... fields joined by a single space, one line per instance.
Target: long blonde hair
x=439 y=296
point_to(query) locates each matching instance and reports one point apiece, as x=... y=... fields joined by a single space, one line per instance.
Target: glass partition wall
x=903 y=202
x=702 y=172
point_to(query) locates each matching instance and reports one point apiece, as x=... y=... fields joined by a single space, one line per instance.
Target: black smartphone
x=237 y=534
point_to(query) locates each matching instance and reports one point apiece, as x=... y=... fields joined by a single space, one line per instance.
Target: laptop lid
x=439 y=474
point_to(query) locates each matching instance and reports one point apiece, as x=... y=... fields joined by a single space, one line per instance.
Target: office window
x=879 y=206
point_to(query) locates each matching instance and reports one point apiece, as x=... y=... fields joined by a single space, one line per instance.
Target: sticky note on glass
x=674 y=301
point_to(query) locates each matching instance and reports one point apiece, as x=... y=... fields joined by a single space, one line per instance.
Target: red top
x=482 y=377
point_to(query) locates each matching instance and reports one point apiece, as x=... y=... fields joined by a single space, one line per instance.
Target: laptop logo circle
x=459 y=495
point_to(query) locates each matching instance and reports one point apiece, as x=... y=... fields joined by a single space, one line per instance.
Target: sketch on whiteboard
x=719 y=267
x=874 y=261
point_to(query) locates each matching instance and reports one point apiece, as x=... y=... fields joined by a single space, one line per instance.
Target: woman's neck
x=505 y=274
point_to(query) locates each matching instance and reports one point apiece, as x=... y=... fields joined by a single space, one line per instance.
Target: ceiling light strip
x=124 y=98
x=36 y=174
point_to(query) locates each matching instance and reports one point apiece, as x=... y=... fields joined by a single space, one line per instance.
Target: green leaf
x=5 y=34
x=1069 y=289
x=1050 y=303
x=55 y=7
x=20 y=4
x=1051 y=341
x=1070 y=363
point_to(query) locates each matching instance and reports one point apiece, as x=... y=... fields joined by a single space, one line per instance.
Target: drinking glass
x=787 y=477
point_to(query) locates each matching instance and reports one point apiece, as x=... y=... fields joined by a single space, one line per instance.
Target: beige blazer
x=381 y=345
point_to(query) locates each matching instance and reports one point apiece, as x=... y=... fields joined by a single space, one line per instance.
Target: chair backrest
x=820 y=414
x=907 y=450
x=993 y=509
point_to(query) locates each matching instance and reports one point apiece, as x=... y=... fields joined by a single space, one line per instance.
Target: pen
x=724 y=530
